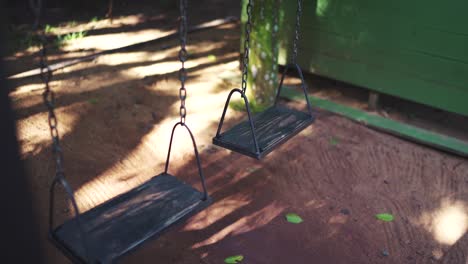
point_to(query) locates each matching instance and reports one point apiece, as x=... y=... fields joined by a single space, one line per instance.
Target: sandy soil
x=116 y=113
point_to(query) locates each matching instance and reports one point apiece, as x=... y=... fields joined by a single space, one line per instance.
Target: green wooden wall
x=415 y=49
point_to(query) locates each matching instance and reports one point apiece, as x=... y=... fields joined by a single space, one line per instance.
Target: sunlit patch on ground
x=448 y=223
x=217 y=211
x=33 y=131
x=245 y=224
x=114 y=40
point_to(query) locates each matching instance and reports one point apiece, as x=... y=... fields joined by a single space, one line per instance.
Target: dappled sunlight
x=33 y=131
x=448 y=223
x=148 y=157
x=170 y=66
x=141 y=163
x=336 y=223
x=159 y=68
x=322 y=7
x=117 y=22
x=116 y=111
x=245 y=224
x=315 y=204
x=217 y=211
x=30 y=94
x=121 y=39
x=115 y=40
x=120 y=58
x=24 y=91
x=338 y=219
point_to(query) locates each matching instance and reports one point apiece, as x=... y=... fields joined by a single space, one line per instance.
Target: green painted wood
x=387 y=125
x=416 y=50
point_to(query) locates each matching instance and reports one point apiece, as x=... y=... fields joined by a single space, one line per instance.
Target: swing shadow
x=251 y=198
x=84 y=159
x=241 y=211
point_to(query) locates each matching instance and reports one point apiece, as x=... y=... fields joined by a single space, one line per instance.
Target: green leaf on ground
x=93 y=101
x=294 y=218
x=234 y=259
x=385 y=217
x=333 y=141
x=211 y=57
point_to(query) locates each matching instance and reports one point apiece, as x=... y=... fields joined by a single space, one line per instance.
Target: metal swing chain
x=48 y=95
x=183 y=58
x=297 y=29
x=248 y=28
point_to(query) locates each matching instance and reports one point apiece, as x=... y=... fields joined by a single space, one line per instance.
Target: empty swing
x=114 y=228
x=260 y=134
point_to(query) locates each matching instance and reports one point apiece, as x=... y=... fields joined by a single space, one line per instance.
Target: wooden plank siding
x=417 y=50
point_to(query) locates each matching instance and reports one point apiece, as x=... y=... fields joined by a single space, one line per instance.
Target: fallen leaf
x=385 y=217
x=211 y=57
x=234 y=259
x=294 y=218
x=93 y=101
x=333 y=141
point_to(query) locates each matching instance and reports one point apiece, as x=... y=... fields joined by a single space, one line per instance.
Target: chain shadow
x=312 y=175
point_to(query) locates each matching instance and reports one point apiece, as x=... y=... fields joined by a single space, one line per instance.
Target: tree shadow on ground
x=365 y=173
x=102 y=133
x=88 y=96
x=148 y=16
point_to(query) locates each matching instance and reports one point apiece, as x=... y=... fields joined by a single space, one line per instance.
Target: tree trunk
x=262 y=79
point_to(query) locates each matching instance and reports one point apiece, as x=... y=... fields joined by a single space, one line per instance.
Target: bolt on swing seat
x=260 y=134
x=110 y=230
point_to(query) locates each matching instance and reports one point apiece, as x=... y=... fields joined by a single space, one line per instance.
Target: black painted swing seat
x=116 y=227
x=123 y=223
x=272 y=127
x=260 y=134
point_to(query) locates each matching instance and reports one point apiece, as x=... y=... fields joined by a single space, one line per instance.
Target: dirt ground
x=115 y=116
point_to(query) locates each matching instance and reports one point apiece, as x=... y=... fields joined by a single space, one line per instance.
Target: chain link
x=183 y=55
x=297 y=30
x=248 y=28
x=48 y=95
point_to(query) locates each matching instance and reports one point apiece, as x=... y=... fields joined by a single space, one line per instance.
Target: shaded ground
x=115 y=116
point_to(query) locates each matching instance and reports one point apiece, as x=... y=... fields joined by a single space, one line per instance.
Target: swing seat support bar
x=118 y=226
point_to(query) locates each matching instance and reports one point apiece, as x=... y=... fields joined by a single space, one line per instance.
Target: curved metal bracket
x=249 y=113
x=202 y=177
x=303 y=84
x=60 y=179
